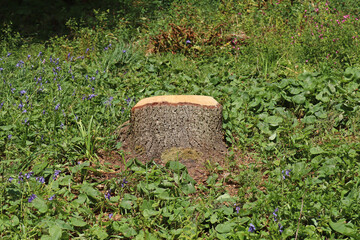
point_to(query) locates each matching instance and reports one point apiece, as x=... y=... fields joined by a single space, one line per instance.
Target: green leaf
x=225 y=198
x=225 y=227
x=342 y=227
x=38 y=168
x=175 y=166
x=100 y=233
x=40 y=205
x=299 y=99
x=316 y=150
x=55 y=232
x=89 y=190
x=6 y=128
x=77 y=222
x=149 y=213
x=126 y=204
x=273 y=120
x=125 y=229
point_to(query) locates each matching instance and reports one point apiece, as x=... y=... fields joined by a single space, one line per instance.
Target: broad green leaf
x=126 y=204
x=77 y=222
x=225 y=227
x=272 y=136
x=149 y=213
x=6 y=128
x=90 y=191
x=55 y=232
x=299 y=99
x=316 y=150
x=342 y=227
x=175 y=166
x=274 y=120
x=225 y=198
x=100 y=233
x=40 y=205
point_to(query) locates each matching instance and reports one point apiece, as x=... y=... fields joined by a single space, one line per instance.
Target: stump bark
x=186 y=122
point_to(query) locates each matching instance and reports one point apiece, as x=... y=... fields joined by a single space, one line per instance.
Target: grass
x=291 y=122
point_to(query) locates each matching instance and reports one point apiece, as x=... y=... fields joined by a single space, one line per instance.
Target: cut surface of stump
x=163 y=123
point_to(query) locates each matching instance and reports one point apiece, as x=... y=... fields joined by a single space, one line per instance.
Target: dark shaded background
x=41 y=19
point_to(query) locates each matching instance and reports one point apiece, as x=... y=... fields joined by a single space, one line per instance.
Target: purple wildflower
x=124 y=51
x=91 y=96
x=124 y=182
x=43 y=112
x=31 y=198
x=29 y=56
x=10 y=179
x=40 y=53
x=22 y=92
x=280 y=228
x=8 y=55
x=56 y=173
x=62 y=125
x=1 y=69
x=59 y=87
x=252 y=228
x=274 y=213
x=57 y=106
x=52 y=197
x=24 y=111
x=188 y=41
x=9 y=136
x=237 y=209
x=108 y=194
x=26 y=120
x=12 y=90
x=28 y=175
x=21 y=177
x=40 y=179
x=111 y=215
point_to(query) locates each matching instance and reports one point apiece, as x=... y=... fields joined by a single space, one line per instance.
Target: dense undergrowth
x=286 y=73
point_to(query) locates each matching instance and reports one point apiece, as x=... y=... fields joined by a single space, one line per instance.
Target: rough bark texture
x=184 y=122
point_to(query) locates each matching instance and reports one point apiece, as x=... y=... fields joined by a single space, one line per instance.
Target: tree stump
x=163 y=123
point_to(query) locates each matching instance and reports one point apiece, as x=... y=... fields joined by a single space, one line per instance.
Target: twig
x=297 y=230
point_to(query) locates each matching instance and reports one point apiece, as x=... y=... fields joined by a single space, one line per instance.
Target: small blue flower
x=108 y=194
x=52 y=197
x=91 y=96
x=31 y=198
x=56 y=173
x=22 y=92
x=57 y=106
x=28 y=175
x=124 y=181
x=59 y=87
x=280 y=228
x=252 y=228
x=237 y=209
x=10 y=136
x=10 y=179
x=1 y=69
x=124 y=51
x=8 y=55
x=40 y=179
x=111 y=215
x=188 y=41
x=61 y=125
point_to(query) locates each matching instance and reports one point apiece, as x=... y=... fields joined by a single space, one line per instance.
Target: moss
x=174 y=154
